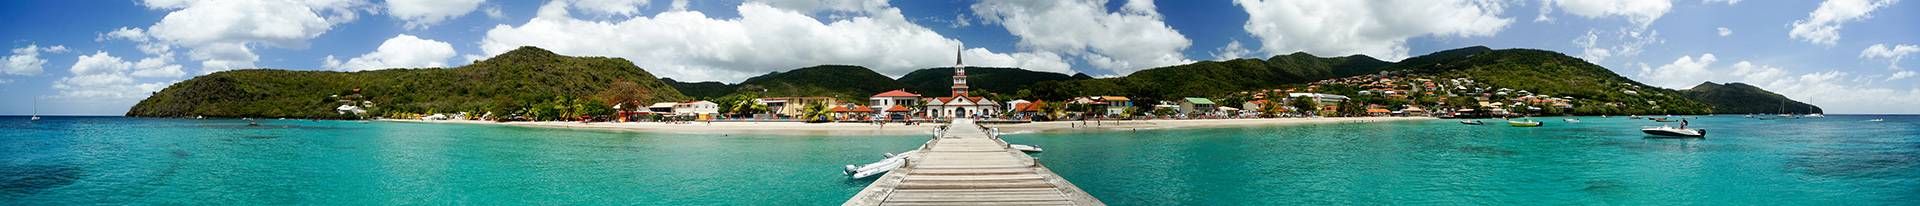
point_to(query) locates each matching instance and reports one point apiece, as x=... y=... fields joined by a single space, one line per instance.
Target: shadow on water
x=30 y=179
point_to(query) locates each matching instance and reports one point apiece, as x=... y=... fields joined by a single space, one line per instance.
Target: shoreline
x=865 y=129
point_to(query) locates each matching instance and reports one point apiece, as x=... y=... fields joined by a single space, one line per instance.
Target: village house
x=1192 y=105
x=885 y=101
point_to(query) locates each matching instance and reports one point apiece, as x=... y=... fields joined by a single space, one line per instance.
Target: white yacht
x=1025 y=148
x=882 y=167
x=1665 y=130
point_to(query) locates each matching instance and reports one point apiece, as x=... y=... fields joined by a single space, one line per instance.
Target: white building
x=696 y=108
x=961 y=105
x=880 y=103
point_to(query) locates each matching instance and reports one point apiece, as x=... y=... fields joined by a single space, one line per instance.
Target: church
x=960 y=105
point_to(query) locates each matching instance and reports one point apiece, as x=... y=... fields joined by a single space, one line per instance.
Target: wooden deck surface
x=967 y=167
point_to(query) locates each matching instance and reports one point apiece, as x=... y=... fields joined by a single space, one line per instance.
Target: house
x=663 y=107
x=1117 y=105
x=852 y=112
x=1377 y=111
x=701 y=109
x=1027 y=110
x=1322 y=99
x=887 y=100
x=1015 y=104
x=794 y=106
x=1254 y=105
x=1192 y=105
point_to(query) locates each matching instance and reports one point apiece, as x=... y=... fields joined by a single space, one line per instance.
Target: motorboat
x=882 y=167
x=1525 y=123
x=1877 y=120
x=1571 y=120
x=1664 y=130
x=1664 y=119
x=1025 y=148
x=1472 y=122
x=1815 y=116
x=1635 y=117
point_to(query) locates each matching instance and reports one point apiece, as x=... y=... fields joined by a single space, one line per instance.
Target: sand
x=816 y=129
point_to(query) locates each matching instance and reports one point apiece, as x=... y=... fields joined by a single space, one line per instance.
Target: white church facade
x=960 y=105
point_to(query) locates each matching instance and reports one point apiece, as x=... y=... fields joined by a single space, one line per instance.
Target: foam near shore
x=814 y=129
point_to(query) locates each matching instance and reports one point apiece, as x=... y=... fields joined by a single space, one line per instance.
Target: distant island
x=535 y=84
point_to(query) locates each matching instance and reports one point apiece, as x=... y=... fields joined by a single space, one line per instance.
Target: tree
x=815 y=111
x=1305 y=105
x=623 y=92
x=1270 y=109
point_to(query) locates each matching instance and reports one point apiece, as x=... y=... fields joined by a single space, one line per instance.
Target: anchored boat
x=1525 y=123
x=1472 y=122
x=1665 y=130
x=882 y=167
x=1025 y=148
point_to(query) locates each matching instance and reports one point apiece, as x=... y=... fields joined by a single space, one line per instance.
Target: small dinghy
x=1472 y=122
x=1877 y=120
x=1665 y=130
x=1025 y=148
x=882 y=167
x=1525 y=123
x=1664 y=119
x=1571 y=120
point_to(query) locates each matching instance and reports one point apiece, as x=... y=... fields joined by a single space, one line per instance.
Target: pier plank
x=968 y=167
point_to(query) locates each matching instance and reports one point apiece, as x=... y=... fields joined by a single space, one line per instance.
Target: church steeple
x=959 y=74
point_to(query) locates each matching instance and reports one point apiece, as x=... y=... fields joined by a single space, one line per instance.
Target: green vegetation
x=1594 y=89
x=1739 y=98
x=511 y=83
x=1213 y=78
x=701 y=90
x=938 y=82
x=838 y=81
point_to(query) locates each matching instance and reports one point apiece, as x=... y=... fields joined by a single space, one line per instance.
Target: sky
x=99 y=57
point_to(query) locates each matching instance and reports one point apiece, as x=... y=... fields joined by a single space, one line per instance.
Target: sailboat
x=36 y=111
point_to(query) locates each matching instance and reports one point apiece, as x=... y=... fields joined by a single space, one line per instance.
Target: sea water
x=1839 y=160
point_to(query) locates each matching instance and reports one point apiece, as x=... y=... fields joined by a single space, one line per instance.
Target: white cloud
x=1822 y=26
x=421 y=13
x=1902 y=74
x=1375 y=28
x=1640 y=12
x=1728 y=2
x=493 y=12
x=223 y=34
x=1131 y=39
x=1627 y=43
x=26 y=61
x=608 y=8
x=1682 y=73
x=1835 y=91
x=1725 y=31
x=403 y=51
x=1892 y=54
x=689 y=45
x=1037 y=61
x=1233 y=50
x=103 y=76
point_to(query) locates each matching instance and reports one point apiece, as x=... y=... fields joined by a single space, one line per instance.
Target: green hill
x=701 y=90
x=938 y=82
x=1543 y=72
x=501 y=84
x=839 y=81
x=1555 y=74
x=1214 y=78
x=1740 y=98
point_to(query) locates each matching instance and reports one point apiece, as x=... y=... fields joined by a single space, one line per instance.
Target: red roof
x=1030 y=107
x=839 y=109
x=862 y=109
x=898 y=108
x=896 y=93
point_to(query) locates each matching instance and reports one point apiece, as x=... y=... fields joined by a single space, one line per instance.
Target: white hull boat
x=1025 y=148
x=1664 y=130
x=1571 y=120
x=1472 y=122
x=882 y=167
x=1877 y=120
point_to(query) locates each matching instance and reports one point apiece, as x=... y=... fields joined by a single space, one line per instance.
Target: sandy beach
x=811 y=129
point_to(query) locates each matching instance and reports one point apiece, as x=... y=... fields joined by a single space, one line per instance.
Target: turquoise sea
x=1839 y=160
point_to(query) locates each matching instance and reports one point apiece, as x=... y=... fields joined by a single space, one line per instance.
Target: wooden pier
x=966 y=166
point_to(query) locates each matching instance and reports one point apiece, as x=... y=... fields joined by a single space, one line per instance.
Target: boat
x=1571 y=120
x=1877 y=120
x=1815 y=116
x=882 y=167
x=1664 y=130
x=1664 y=119
x=1635 y=117
x=1472 y=122
x=1025 y=148
x=36 y=111
x=1749 y=116
x=1525 y=123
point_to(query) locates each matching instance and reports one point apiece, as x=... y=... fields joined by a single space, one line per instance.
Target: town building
x=960 y=105
x=884 y=101
x=1191 y=105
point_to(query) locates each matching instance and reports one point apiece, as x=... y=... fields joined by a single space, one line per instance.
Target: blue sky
x=100 y=57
